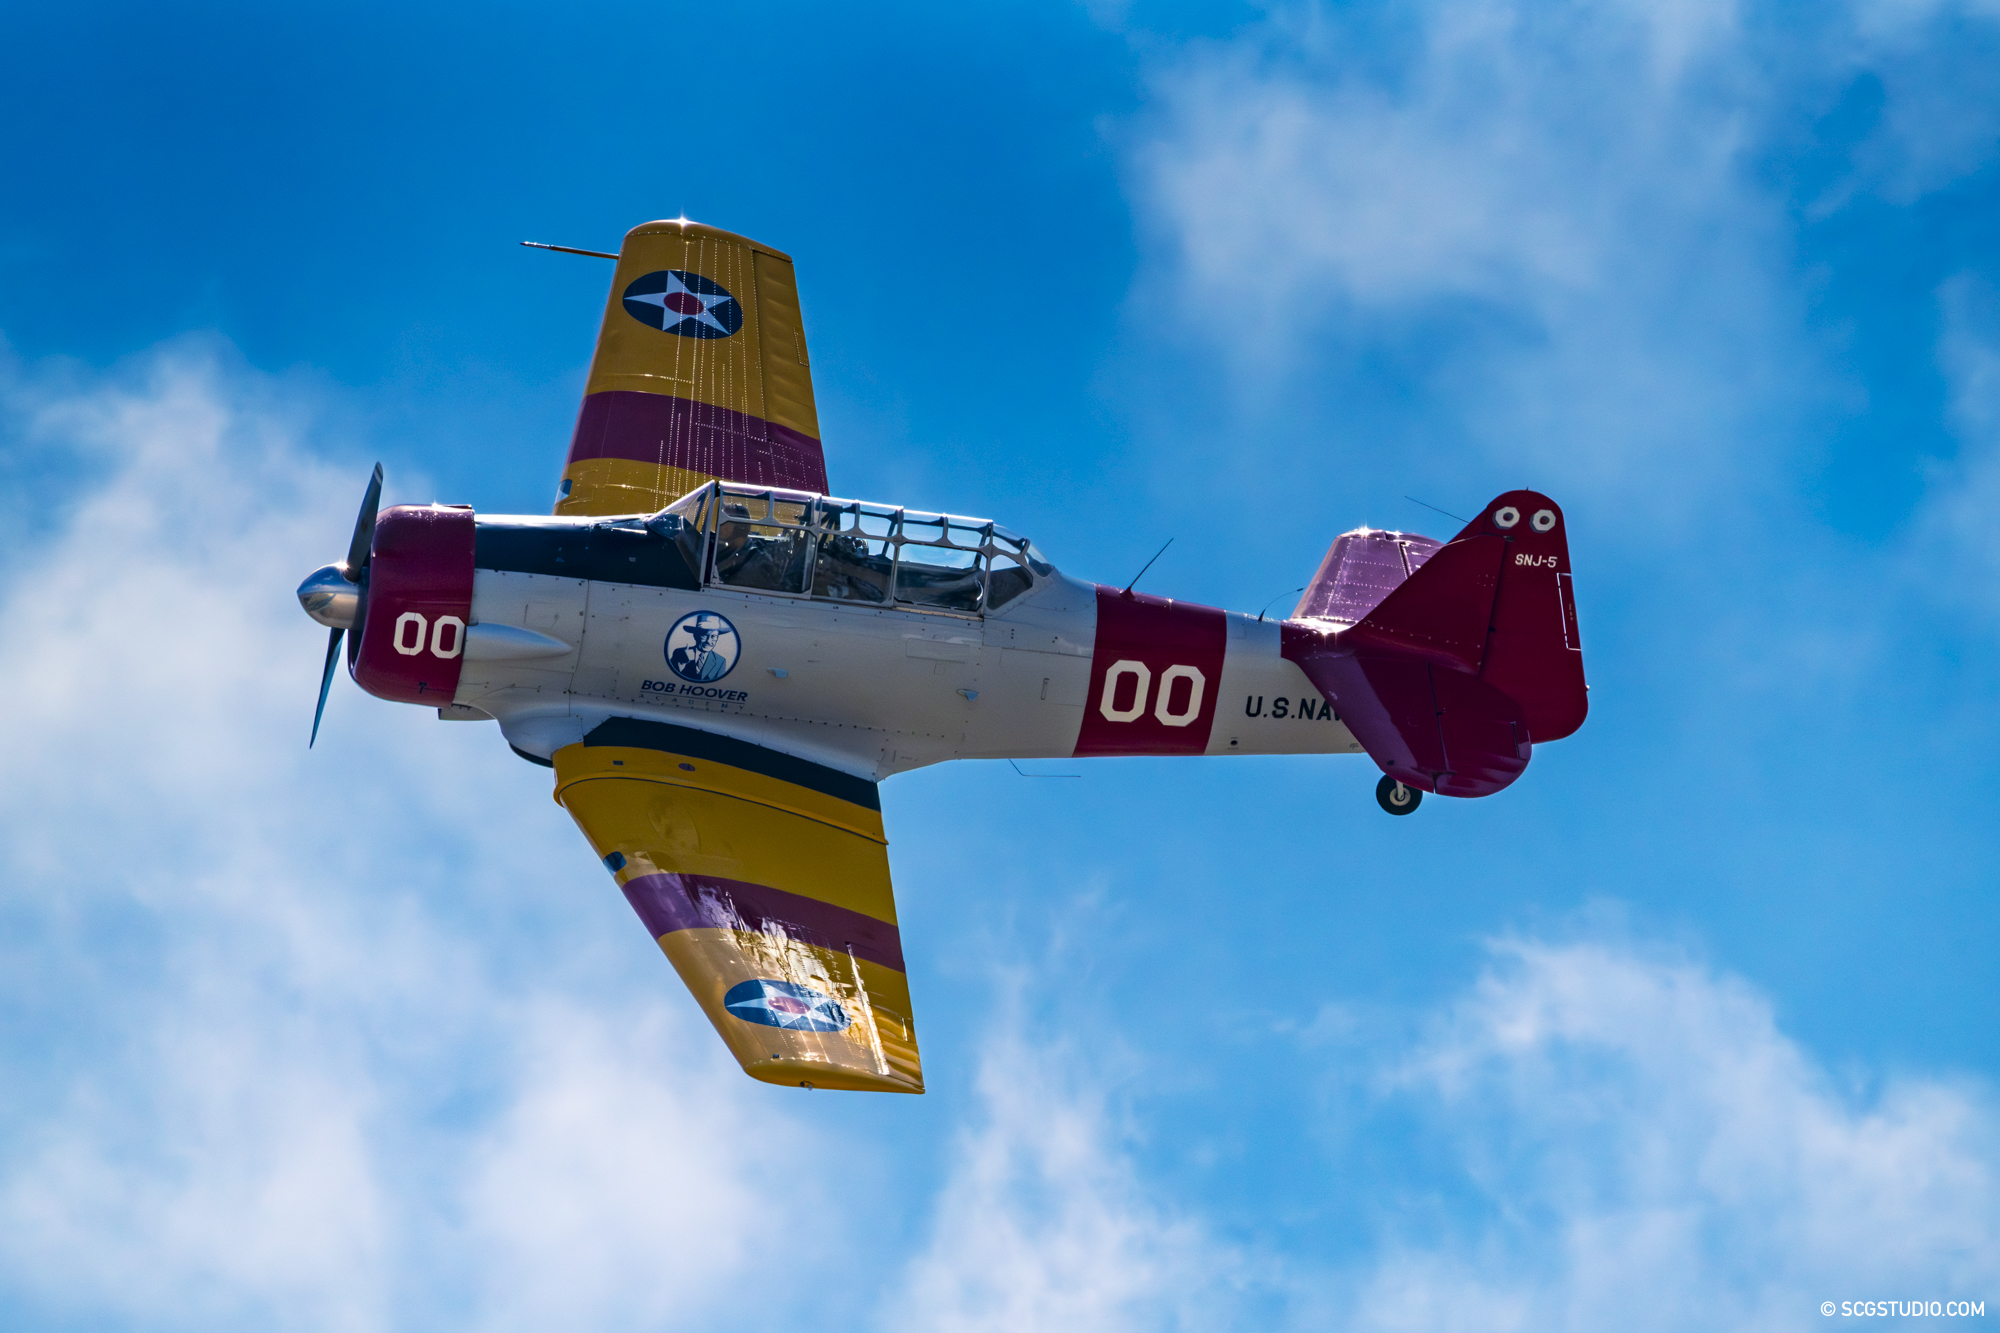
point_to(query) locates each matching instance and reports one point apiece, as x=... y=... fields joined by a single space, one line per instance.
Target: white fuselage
x=868 y=690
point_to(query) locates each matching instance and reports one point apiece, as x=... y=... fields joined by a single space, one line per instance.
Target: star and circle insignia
x=678 y=301
x=786 y=1004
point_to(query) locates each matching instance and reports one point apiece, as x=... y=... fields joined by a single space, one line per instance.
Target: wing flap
x=770 y=896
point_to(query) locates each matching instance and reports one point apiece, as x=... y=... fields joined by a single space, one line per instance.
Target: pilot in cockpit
x=756 y=555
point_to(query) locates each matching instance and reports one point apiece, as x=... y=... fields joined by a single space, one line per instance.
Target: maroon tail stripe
x=667 y=903
x=679 y=432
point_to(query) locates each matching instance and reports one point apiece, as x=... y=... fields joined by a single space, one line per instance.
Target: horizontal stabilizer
x=1452 y=677
x=1361 y=568
x=1426 y=726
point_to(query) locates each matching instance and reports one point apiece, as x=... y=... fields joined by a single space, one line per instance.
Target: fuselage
x=896 y=641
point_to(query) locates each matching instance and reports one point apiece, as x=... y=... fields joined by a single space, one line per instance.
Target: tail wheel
x=1396 y=798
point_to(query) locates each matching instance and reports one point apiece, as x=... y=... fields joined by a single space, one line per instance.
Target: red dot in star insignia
x=684 y=303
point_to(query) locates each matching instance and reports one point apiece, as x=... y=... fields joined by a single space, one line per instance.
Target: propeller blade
x=358 y=550
x=332 y=656
x=364 y=528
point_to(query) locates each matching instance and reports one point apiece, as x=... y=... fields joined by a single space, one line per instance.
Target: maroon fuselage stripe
x=667 y=903
x=677 y=432
x=1157 y=634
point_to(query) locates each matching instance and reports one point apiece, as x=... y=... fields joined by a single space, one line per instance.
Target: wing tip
x=689 y=227
x=791 y=1073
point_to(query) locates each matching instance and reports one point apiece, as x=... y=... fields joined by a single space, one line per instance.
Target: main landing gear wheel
x=1394 y=797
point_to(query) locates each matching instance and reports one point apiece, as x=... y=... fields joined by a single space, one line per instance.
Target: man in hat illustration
x=700 y=661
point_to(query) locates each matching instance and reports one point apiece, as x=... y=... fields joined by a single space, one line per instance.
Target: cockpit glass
x=684 y=522
x=941 y=562
x=762 y=540
x=1016 y=564
x=847 y=551
x=1014 y=544
x=857 y=557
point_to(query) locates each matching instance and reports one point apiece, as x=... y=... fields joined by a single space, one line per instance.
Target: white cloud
x=1043 y=1221
x=1563 y=186
x=280 y=1073
x=214 y=1173
x=1563 y=215
x=1940 y=92
x=1964 y=496
x=1648 y=1150
x=1497 y=164
x=1589 y=1137
x=608 y=1196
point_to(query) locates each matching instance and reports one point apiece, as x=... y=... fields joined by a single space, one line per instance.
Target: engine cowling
x=416 y=606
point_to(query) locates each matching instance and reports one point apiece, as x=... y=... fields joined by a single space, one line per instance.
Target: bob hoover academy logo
x=786 y=1004
x=676 y=301
x=703 y=646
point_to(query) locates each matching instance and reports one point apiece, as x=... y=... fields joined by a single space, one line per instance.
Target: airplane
x=721 y=662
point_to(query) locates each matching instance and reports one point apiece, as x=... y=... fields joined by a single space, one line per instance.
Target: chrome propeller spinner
x=330 y=597
x=331 y=594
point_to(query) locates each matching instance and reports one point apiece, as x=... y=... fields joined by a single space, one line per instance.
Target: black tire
x=1387 y=792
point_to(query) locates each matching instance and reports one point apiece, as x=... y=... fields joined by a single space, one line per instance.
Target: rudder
x=1497 y=601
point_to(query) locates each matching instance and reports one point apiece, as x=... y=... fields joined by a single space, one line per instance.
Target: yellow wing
x=700 y=373
x=765 y=879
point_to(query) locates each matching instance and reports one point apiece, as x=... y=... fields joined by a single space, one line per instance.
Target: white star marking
x=816 y=1010
x=671 y=317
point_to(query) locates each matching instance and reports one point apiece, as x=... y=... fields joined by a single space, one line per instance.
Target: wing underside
x=765 y=880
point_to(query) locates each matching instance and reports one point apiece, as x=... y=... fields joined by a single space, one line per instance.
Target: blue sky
x=1692 y=1026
